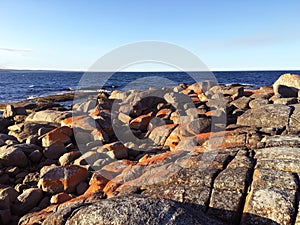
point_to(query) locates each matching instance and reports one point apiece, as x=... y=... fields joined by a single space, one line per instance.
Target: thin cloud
x=15 y=50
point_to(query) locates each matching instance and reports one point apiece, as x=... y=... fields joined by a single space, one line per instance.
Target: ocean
x=17 y=85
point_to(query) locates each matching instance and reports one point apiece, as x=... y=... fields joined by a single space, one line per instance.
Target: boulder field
x=191 y=154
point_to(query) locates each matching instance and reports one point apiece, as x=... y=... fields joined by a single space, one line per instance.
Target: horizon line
x=152 y=71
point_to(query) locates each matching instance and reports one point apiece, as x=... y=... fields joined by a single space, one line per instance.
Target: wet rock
x=55 y=179
x=287 y=85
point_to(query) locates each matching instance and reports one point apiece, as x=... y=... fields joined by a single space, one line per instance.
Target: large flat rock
x=266 y=116
x=130 y=209
x=50 y=116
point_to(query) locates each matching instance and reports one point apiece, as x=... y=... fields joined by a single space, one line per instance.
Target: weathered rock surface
x=12 y=156
x=27 y=200
x=288 y=85
x=50 y=116
x=266 y=116
x=130 y=209
x=59 y=179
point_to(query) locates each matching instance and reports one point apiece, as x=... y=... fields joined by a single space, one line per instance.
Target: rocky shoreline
x=191 y=154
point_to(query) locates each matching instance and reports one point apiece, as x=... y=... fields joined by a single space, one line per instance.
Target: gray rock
x=5 y=216
x=11 y=111
x=226 y=205
x=55 y=150
x=235 y=92
x=269 y=206
x=287 y=85
x=4 y=124
x=265 y=178
x=27 y=201
x=9 y=193
x=241 y=103
x=69 y=157
x=279 y=140
x=13 y=156
x=126 y=210
x=278 y=153
x=35 y=156
x=5 y=137
x=89 y=158
x=266 y=116
x=236 y=179
x=50 y=116
x=204 y=86
x=284 y=101
x=33 y=139
x=294 y=123
x=256 y=103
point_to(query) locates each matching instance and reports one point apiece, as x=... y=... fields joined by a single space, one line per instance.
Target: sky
x=225 y=35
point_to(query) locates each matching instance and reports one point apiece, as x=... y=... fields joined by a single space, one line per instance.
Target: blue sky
x=225 y=35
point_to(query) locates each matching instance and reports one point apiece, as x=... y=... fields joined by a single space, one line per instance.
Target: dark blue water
x=21 y=85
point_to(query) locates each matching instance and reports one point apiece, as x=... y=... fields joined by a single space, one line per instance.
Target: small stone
x=20 y=187
x=60 y=198
x=33 y=139
x=35 y=156
x=69 y=157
